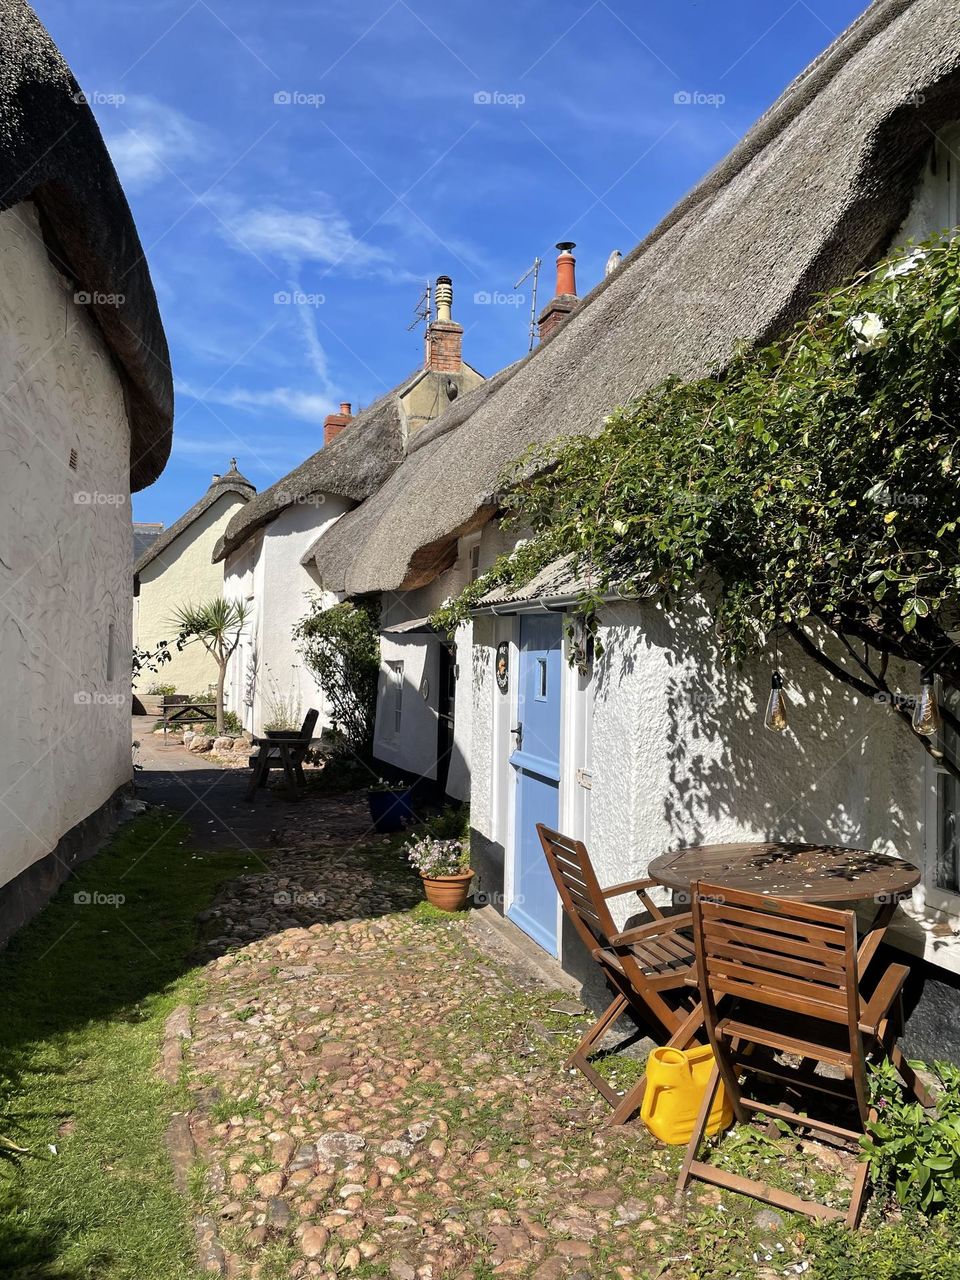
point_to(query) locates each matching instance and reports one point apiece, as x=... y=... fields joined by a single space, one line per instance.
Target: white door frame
x=575 y=706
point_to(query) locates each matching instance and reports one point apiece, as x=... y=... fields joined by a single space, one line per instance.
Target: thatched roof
x=230 y=482
x=353 y=465
x=816 y=190
x=336 y=549
x=51 y=152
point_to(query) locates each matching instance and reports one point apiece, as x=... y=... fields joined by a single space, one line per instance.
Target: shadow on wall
x=419 y=743
x=844 y=771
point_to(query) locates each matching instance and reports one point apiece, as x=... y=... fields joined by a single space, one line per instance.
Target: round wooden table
x=813 y=873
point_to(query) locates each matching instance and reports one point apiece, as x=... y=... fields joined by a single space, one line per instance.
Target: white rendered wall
x=183 y=573
x=284 y=601
x=680 y=757
x=65 y=556
x=416 y=749
x=268 y=569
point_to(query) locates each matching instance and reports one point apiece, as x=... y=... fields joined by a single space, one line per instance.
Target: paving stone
x=392 y=1105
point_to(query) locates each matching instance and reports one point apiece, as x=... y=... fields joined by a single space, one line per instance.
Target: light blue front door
x=536 y=761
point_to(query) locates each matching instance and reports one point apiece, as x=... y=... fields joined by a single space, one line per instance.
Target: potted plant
x=445 y=870
x=389 y=805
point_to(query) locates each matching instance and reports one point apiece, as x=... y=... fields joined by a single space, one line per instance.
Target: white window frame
x=471 y=555
x=395 y=667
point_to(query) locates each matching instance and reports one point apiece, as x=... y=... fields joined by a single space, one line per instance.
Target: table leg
x=871 y=943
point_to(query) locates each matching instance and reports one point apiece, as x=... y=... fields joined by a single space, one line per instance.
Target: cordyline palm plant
x=217 y=624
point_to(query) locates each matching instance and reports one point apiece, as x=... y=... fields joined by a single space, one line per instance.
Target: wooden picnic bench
x=285 y=751
x=179 y=712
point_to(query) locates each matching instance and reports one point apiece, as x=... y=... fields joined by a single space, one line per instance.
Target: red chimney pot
x=334 y=423
x=565 y=299
x=566 y=269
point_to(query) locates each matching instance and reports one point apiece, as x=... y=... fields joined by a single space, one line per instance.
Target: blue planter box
x=389 y=810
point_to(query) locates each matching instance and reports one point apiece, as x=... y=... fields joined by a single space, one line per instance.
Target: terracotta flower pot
x=449 y=893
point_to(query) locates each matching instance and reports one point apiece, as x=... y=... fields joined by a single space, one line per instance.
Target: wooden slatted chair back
x=777 y=953
x=309 y=724
x=578 y=887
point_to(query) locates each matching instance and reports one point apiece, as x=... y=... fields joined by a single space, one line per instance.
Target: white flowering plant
x=434 y=858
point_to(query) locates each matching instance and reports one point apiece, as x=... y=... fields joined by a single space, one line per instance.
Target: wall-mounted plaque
x=503 y=666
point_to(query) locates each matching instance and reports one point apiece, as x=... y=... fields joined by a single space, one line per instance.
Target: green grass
x=84 y=991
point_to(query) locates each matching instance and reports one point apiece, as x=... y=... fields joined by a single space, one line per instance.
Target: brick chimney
x=444 y=352
x=334 y=423
x=565 y=299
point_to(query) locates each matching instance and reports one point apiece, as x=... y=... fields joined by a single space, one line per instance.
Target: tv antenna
x=532 y=270
x=422 y=312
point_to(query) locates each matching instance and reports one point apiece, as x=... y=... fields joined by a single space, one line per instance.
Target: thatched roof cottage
x=87 y=419
x=263 y=546
x=657 y=744
x=177 y=569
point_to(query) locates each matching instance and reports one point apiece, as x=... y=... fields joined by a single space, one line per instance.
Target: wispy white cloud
x=149 y=140
x=221 y=448
x=323 y=236
x=308 y=406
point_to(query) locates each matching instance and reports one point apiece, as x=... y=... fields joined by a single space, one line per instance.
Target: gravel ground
x=377 y=1092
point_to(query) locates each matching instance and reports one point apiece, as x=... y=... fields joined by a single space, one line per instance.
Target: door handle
x=519 y=732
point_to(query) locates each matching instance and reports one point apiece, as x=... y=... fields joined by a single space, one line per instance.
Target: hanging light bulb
x=776 y=717
x=926 y=713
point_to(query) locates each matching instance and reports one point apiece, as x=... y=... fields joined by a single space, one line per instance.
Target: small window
x=74 y=459
x=475 y=562
x=396 y=695
x=111 y=653
x=541 y=679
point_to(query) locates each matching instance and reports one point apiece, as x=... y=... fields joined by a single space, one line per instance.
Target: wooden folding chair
x=641 y=964
x=782 y=978
x=287 y=753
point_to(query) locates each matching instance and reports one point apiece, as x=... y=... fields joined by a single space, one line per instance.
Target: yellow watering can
x=676 y=1082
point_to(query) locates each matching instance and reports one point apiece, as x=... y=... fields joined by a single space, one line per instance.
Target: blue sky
x=340 y=153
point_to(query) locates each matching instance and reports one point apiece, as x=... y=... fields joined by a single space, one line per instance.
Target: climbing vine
x=341 y=646
x=812 y=486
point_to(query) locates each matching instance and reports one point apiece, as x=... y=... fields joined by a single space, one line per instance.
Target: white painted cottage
x=657 y=744
x=176 y=569
x=86 y=419
x=268 y=548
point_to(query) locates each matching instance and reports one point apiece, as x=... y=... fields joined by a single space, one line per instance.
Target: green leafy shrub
x=452 y=823
x=341 y=646
x=158 y=690
x=232 y=726
x=915 y=1152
